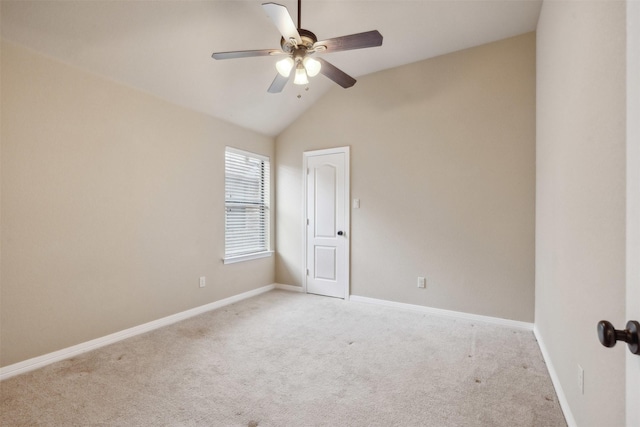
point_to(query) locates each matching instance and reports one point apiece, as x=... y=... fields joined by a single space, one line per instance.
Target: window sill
x=248 y=257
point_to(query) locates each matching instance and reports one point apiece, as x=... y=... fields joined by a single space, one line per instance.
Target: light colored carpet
x=288 y=359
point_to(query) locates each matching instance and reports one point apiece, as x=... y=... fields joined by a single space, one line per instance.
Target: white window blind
x=246 y=203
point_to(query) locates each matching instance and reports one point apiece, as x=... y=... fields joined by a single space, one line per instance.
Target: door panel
x=325 y=262
x=325 y=203
x=327 y=247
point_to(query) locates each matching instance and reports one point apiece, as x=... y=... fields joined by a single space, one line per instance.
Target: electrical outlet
x=203 y=281
x=422 y=282
x=581 y=379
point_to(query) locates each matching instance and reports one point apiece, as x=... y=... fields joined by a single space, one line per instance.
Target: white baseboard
x=66 y=353
x=289 y=287
x=446 y=313
x=562 y=398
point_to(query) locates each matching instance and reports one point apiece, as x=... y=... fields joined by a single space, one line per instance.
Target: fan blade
x=278 y=84
x=246 y=53
x=353 y=41
x=280 y=16
x=336 y=74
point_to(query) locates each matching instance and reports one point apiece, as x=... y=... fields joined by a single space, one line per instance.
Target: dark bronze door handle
x=608 y=335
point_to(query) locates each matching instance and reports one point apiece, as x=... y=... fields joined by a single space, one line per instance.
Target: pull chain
x=306 y=89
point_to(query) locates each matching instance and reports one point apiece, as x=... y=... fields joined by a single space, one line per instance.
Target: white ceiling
x=164 y=47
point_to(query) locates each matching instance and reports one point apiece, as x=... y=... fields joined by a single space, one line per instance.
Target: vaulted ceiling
x=164 y=47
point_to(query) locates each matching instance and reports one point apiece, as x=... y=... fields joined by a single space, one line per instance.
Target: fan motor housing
x=308 y=40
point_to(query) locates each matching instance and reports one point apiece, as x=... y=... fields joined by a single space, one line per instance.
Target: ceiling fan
x=299 y=46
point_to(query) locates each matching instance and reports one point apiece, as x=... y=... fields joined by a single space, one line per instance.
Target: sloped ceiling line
x=164 y=48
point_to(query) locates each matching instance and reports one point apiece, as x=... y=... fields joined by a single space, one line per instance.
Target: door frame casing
x=347 y=211
x=632 y=368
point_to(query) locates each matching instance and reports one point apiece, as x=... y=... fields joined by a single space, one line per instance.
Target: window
x=246 y=206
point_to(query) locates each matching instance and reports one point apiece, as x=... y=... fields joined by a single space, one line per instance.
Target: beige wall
x=112 y=207
x=580 y=218
x=443 y=162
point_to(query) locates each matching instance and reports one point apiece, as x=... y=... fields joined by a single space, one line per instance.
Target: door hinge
x=307 y=221
x=307 y=271
x=307 y=171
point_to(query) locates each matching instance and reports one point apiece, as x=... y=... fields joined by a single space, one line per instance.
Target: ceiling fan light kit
x=301 y=76
x=312 y=66
x=300 y=45
x=284 y=66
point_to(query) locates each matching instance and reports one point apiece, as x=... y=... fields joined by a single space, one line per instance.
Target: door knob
x=340 y=233
x=608 y=335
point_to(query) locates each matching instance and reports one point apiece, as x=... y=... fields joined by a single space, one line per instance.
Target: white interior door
x=633 y=204
x=327 y=222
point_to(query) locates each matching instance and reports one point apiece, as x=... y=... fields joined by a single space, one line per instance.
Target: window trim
x=247 y=257
x=231 y=259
